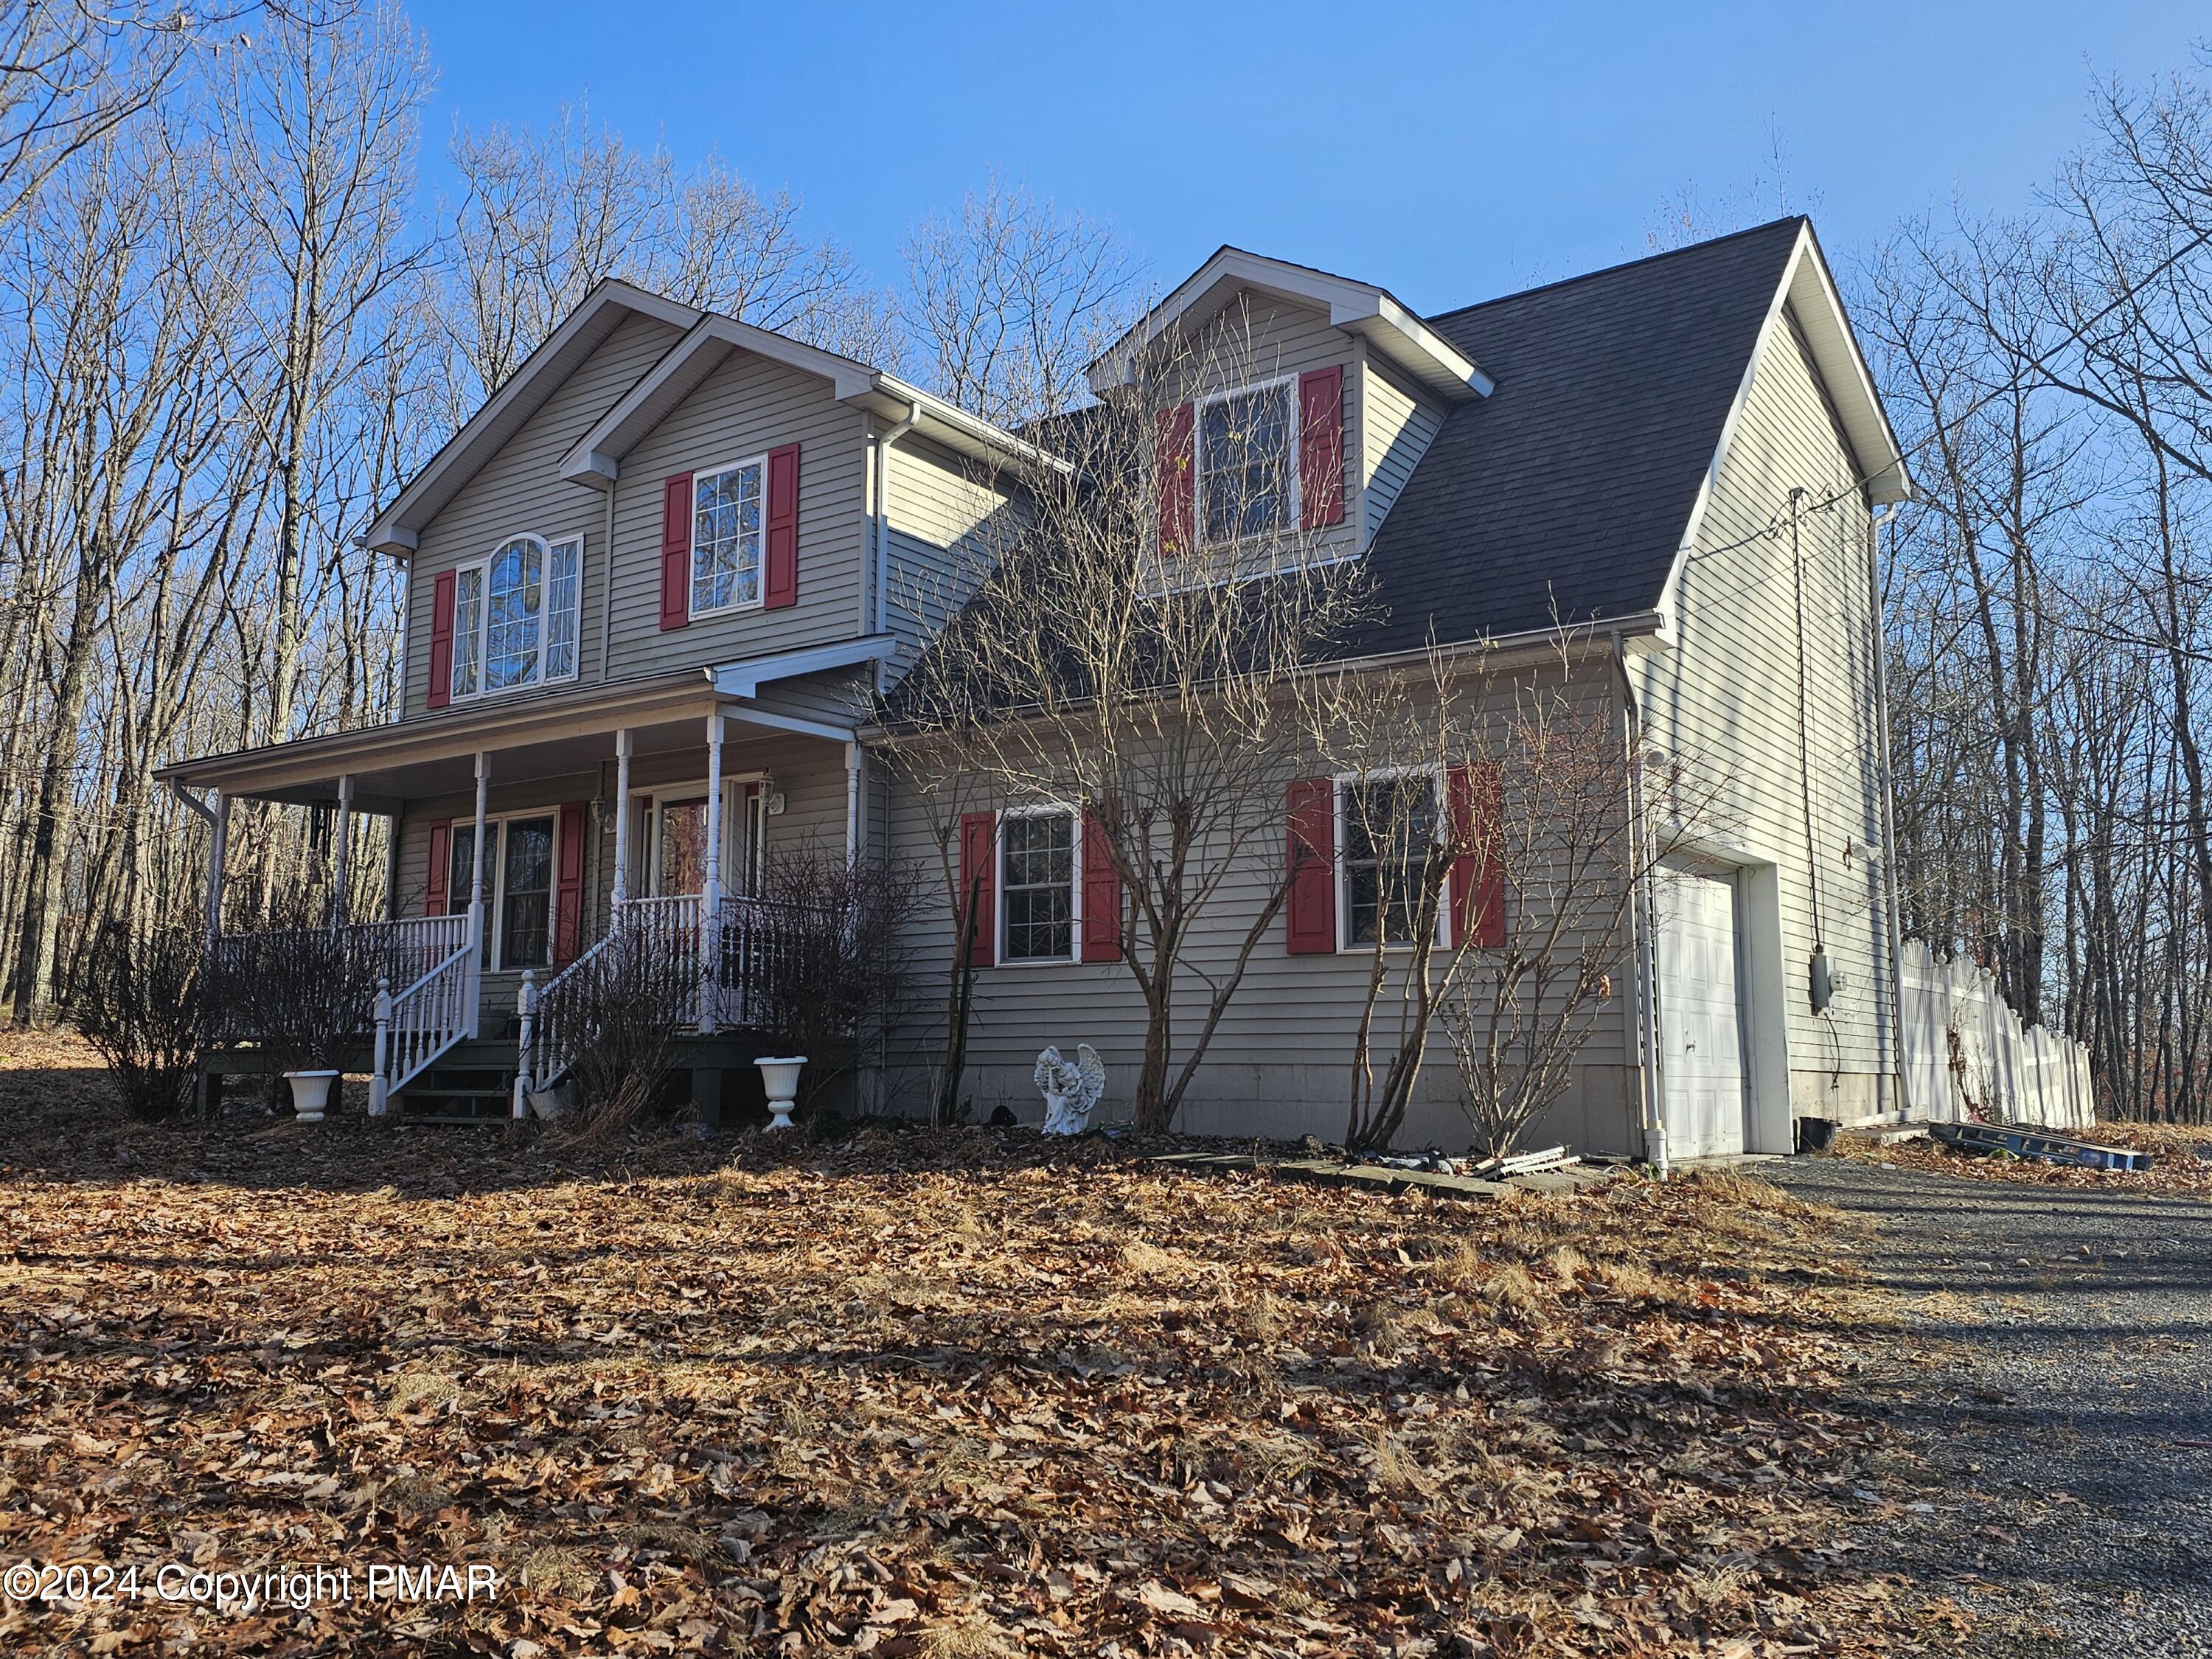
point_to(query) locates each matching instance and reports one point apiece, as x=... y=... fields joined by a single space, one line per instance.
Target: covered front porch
x=522 y=841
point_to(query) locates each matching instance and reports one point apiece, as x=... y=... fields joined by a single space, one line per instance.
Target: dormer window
x=1251 y=464
x=1247 y=478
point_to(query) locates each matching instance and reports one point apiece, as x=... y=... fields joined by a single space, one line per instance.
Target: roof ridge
x=1799 y=219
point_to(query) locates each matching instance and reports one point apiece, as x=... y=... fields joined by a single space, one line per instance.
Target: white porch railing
x=730 y=959
x=427 y=1018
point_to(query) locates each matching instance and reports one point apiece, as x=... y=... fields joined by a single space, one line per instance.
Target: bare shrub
x=622 y=1010
x=138 y=1002
x=304 y=996
x=835 y=954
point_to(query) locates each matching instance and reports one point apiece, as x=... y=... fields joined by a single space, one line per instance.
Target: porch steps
x=471 y=1082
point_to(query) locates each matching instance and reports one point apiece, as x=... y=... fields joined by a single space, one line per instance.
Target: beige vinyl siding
x=520 y=490
x=1396 y=427
x=748 y=406
x=1726 y=699
x=1280 y=1063
x=948 y=526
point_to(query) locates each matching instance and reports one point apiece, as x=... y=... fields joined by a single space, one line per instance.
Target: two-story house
x=652 y=586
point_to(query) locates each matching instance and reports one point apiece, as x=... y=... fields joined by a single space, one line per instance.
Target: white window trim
x=691 y=541
x=496 y=884
x=483 y=567
x=1294 y=518
x=1044 y=810
x=1339 y=785
x=646 y=801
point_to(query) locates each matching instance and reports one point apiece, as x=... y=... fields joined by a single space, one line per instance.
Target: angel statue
x=1071 y=1089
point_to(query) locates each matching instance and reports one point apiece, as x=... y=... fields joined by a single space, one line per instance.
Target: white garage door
x=1703 y=1059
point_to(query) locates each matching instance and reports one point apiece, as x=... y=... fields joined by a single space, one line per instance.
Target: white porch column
x=218 y=851
x=853 y=804
x=710 y=901
x=340 y=864
x=476 y=894
x=621 y=885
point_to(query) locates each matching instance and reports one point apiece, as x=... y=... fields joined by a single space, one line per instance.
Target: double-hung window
x=515 y=616
x=1036 y=886
x=1389 y=829
x=727 y=510
x=1248 y=472
x=517 y=888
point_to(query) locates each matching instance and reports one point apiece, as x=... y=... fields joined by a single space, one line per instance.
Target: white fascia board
x=1874 y=447
x=398 y=529
x=597 y=457
x=744 y=680
x=955 y=428
x=1389 y=326
x=1827 y=328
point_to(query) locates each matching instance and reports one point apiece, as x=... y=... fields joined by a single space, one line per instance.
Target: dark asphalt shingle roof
x=1571 y=484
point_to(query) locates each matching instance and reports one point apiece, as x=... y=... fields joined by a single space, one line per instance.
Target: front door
x=1699 y=1001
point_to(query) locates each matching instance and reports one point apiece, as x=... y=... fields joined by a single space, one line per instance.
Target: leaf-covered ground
x=907 y=1394
x=2176 y=1167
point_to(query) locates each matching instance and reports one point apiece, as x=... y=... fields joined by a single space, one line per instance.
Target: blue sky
x=1449 y=152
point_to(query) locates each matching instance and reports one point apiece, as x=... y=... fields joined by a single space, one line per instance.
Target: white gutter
x=1533 y=641
x=1643 y=928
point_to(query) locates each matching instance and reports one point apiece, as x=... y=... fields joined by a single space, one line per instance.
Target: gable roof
x=1569 y=493
x=398 y=528
x=1390 y=327
x=596 y=457
x=709 y=339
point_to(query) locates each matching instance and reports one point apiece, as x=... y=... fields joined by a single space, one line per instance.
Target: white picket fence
x=1966 y=1054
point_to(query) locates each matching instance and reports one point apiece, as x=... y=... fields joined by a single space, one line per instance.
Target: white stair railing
x=420 y=1023
x=547 y=1044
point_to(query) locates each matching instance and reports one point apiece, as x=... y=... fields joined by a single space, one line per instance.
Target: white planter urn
x=311 y=1093
x=779 y=1078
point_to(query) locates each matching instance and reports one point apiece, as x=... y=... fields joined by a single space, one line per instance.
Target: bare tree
x=544 y=217
x=1156 y=675
x=1574 y=858
x=1009 y=299
x=1415 y=755
x=73 y=73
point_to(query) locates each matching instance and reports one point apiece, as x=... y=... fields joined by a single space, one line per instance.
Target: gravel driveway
x=2053 y=1366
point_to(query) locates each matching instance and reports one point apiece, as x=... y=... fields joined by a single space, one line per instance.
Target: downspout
x=406 y=604
x=873 y=606
x=607 y=581
x=1643 y=926
x=1888 y=811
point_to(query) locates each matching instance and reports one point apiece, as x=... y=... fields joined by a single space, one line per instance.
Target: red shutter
x=441 y=854
x=675 y=551
x=569 y=884
x=1310 y=914
x=1175 y=477
x=1321 y=448
x=442 y=641
x=1101 y=896
x=1478 y=878
x=780 y=580
x=979 y=848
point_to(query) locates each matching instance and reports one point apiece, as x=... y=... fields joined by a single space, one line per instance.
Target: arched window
x=515 y=616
